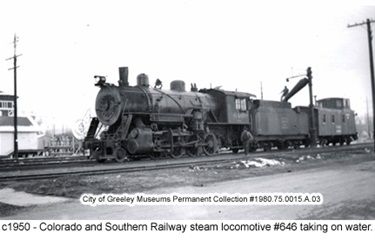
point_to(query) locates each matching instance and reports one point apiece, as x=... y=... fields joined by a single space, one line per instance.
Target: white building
x=26 y=127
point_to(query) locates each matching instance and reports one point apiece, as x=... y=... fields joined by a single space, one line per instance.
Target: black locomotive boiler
x=141 y=121
x=144 y=121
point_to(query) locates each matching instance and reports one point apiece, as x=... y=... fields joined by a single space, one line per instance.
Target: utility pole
x=15 y=122
x=313 y=136
x=261 y=90
x=368 y=23
x=368 y=120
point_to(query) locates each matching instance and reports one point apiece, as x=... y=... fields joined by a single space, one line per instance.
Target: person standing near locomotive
x=246 y=138
x=284 y=92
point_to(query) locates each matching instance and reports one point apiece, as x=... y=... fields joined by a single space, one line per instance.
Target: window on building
x=333 y=118
x=6 y=105
x=324 y=119
x=343 y=118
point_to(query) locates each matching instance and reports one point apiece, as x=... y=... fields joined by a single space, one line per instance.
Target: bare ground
x=290 y=162
x=74 y=186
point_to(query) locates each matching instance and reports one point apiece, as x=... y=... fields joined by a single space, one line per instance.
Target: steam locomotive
x=142 y=121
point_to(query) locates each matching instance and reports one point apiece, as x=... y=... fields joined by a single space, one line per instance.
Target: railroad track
x=101 y=169
x=148 y=165
x=11 y=163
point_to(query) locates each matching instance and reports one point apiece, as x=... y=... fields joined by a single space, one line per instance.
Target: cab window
x=241 y=104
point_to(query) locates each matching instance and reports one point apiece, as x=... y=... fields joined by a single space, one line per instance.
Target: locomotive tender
x=141 y=121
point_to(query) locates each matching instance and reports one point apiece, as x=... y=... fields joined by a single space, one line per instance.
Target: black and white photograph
x=187 y=119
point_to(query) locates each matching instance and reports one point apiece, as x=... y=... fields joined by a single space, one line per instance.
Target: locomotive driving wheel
x=193 y=150
x=210 y=142
x=177 y=152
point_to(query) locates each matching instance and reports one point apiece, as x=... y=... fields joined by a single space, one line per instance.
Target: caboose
x=334 y=120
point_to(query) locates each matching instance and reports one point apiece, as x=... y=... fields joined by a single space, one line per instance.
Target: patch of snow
x=12 y=197
x=261 y=162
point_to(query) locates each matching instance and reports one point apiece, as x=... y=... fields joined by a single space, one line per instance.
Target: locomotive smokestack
x=123 y=71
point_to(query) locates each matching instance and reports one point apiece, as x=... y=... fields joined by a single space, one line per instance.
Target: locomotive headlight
x=108 y=105
x=101 y=80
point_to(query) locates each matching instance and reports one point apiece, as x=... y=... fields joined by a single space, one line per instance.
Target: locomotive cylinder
x=140 y=141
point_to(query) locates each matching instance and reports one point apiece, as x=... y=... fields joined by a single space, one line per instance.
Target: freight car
x=141 y=121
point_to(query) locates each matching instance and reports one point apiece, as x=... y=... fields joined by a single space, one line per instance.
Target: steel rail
x=169 y=163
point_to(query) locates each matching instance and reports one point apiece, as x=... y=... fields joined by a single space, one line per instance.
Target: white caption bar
x=203 y=199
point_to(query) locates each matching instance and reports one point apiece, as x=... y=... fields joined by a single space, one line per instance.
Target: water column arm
x=298 y=87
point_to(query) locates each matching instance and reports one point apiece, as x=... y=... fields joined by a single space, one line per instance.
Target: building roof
x=9 y=121
x=24 y=124
x=6 y=97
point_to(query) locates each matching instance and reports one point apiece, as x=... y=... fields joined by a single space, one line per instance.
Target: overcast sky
x=233 y=44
